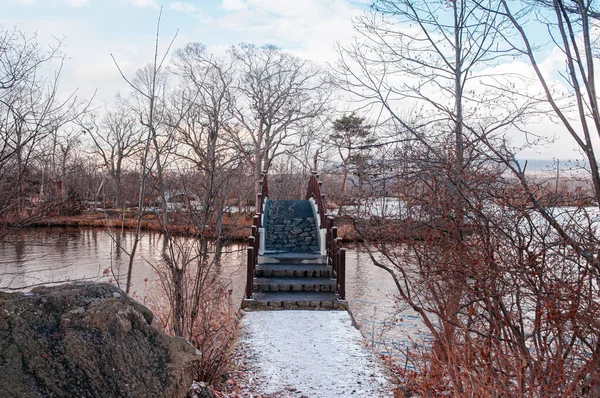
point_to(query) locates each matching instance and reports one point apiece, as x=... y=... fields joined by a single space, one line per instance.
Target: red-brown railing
x=341 y=273
x=254 y=240
x=336 y=256
x=315 y=190
x=251 y=266
x=261 y=195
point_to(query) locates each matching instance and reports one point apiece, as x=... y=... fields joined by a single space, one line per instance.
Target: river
x=51 y=255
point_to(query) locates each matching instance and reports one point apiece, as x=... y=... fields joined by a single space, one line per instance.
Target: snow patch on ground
x=310 y=354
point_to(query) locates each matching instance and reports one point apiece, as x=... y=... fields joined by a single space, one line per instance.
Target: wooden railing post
x=254 y=240
x=256 y=220
x=259 y=203
x=341 y=277
x=254 y=234
x=264 y=191
x=335 y=259
x=262 y=194
x=322 y=211
x=328 y=225
x=338 y=247
x=250 y=270
x=333 y=242
x=256 y=224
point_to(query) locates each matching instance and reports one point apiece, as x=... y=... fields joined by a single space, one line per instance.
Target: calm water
x=42 y=255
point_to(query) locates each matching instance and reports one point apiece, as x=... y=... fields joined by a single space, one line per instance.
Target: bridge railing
x=253 y=248
x=315 y=191
x=261 y=196
x=336 y=255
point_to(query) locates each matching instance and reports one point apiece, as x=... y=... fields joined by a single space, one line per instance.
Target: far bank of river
x=47 y=255
x=235 y=225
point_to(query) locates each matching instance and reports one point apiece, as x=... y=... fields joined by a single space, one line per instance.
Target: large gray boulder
x=87 y=340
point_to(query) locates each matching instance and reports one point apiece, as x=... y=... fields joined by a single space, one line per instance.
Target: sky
x=93 y=30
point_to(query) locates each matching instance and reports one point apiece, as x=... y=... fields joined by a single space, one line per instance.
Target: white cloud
x=234 y=5
x=26 y=2
x=77 y=3
x=183 y=7
x=143 y=3
x=309 y=28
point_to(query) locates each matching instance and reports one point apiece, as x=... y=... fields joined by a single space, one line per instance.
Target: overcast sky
x=93 y=29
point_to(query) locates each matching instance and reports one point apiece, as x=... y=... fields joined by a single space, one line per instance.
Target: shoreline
x=236 y=226
x=238 y=230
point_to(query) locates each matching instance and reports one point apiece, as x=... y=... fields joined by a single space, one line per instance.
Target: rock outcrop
x=87 y=340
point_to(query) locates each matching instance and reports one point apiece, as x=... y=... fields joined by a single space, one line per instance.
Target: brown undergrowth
x=214 y=326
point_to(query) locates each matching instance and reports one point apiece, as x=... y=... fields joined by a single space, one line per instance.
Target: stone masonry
x=291 y=226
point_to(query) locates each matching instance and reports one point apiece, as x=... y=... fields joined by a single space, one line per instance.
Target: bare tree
x=147 y=87
x=277 y=97
x=471 y=255
x=504 y=280
x=116 y=140
x=570 y=27
x=192 y=119
x=200 y=113
x=31 y=111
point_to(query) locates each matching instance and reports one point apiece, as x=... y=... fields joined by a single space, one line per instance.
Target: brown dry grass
x=236 y=225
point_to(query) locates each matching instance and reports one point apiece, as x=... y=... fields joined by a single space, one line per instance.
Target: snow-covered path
x=310 y=354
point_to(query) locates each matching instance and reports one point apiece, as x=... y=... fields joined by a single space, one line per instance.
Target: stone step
x=279 y=257
x=294 y=284
x=289 y=300
x=292 y=270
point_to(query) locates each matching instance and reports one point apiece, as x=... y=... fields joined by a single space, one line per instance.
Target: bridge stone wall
x=291 y=226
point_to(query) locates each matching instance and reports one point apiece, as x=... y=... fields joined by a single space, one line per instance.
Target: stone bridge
x=294 y=259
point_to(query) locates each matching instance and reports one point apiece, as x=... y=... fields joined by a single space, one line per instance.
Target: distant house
x=180 y=200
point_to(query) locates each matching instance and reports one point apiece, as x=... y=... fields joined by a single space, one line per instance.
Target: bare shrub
x=210 y=321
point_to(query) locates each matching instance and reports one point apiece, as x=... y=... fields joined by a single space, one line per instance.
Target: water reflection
x=20 y=250
x=33 y=256
x=390 y=326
